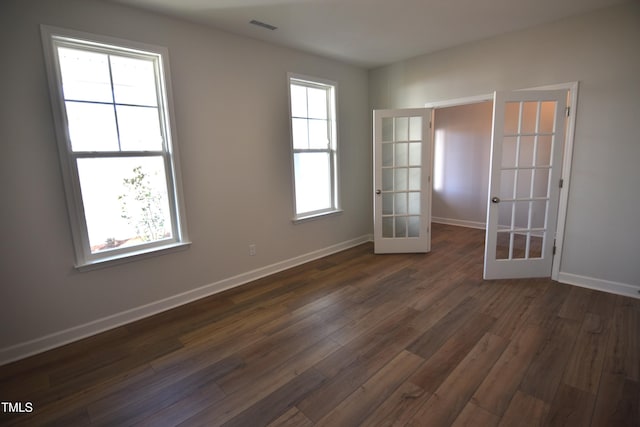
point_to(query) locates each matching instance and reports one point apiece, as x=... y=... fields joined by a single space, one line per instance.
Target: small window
x=112 y=116
x=314 y=146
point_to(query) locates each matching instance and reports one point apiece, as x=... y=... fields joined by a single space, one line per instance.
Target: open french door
x=402 y=184
x=524 y=185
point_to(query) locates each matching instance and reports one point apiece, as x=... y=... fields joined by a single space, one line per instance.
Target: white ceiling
x=371 y=33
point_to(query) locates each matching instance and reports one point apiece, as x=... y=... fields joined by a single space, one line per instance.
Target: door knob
x=495 y=200
x=378 y=191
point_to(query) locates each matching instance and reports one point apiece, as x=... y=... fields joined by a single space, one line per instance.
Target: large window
x=112 y=116
x=314 y=145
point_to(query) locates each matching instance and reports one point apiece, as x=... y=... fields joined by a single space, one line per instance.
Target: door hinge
x=429 y=124
x=561 y=183
x=553 y=252
x=568 y=111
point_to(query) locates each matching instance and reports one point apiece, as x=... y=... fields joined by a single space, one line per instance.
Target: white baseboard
x=459 y=222
x=600 y=285
x=57 y=339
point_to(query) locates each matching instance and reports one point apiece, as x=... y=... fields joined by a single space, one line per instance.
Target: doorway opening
x=462 y=135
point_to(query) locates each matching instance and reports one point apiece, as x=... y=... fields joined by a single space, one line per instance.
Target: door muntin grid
x=401 y=190
x=529 y=135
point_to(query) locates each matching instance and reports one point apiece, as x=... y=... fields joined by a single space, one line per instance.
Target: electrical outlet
x=252 y=249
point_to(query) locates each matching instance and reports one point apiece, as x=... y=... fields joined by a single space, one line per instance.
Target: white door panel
x=402 y=187
x=524 y=184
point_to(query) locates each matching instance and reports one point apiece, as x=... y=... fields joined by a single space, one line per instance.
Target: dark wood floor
x=355 y=339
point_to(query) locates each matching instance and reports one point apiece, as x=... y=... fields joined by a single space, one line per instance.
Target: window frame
x=333 y=147
x=52 y=38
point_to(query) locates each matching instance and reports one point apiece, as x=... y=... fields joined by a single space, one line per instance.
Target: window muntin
x=314 y=146
x=112 y=115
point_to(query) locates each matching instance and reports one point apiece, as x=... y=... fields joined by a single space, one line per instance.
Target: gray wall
x=462 y=145
x=230 y=100
x=600 y=50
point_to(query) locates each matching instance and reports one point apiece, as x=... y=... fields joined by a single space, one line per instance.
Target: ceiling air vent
x=263 y=25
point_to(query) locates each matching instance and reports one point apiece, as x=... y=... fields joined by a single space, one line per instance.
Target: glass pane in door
x=524 y=179
x=401 y=176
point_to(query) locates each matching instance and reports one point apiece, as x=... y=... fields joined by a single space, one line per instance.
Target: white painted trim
x=567 y=159
x=600 y=285
x=460 y=101
x=57 y=339
x=459 y=222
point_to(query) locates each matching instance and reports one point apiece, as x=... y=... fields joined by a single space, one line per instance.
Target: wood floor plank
x=223 y=410
x=571 y=407
x=351 y=366
x=623 y=348
x=292 y=418
x=499 y=386
x=585 y=365
x=429 y=342
x=438 y=367
x=274 y=405
x=366 y=398
x=474 y=416
x=617 y=403
x=399 y=407
x=354 y=338
x=454 y=393
x=525 y=409
x=548 y=364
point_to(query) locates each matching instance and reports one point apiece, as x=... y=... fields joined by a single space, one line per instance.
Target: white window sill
x=132 y=256
x=314 y=216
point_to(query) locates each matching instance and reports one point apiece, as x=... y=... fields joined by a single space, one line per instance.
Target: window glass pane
x=509 y=151
x=387 y=203
x=387 y=128
x=529 y=117
x=547 y=117
x=543 y=157
x=387 y=179
x=134 y=81
x=526 y=151
x=414 y=203
x=415 y=128
x=401 y=226
x=387 y=154
x=139 y=128
x=298 y=101
x=318 y=136
x=92 y=127
x=414 y=178
x=401 y=183
x=312 y=181
x=387 y=227
x=125 y=201
x=415 y=154
x=300 y=133
x=402 y=154
x=85 y=75
x=414 y=226
x=401 y=129
x=317 y=103
x=511 y=117
x=507 y=179
x=400 y=204
x=541 y=183
x=523 y=191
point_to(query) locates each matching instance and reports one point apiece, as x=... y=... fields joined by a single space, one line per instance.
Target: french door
x=402 y=165
x=524 y=185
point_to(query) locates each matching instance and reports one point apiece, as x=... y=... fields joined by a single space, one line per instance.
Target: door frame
x=567 y=154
